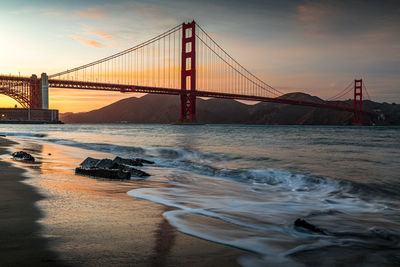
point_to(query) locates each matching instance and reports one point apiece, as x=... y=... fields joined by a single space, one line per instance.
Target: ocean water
x=245 y=186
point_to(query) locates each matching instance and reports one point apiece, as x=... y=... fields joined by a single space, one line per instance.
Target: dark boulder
x=23 y=156
x=104 y=173
x=105 y=164
x=132 y=171
x=119 y=168
x=89 y=163
x=306 y=225
x=131 y=162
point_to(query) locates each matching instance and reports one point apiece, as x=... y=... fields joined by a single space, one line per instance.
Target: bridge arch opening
x=8 y=101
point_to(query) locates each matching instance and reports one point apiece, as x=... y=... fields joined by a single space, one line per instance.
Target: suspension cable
x=230 y=57
x=154 y=39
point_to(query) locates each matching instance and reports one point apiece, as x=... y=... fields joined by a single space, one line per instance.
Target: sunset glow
x=318 y=48
x=199 y=133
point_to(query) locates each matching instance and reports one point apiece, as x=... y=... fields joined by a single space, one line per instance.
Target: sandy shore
x=89 y=222
x=20 y=241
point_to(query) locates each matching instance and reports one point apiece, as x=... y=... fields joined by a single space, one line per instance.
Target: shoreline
x=80 y=233
x=20 y=241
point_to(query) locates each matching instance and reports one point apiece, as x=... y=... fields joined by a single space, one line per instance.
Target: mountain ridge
x=166 y=108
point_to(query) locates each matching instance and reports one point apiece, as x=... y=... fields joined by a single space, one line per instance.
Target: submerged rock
x=144 y=161
x=21 y=155
x=132 y=171
x=304 y=224
x=132 y=162
x=138 y=173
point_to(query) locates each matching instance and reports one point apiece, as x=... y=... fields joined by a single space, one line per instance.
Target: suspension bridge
x=183 y=61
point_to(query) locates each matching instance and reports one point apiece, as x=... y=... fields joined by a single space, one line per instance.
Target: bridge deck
x=124 y=88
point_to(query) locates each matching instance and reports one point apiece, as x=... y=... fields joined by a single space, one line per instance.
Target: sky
x=317 y=47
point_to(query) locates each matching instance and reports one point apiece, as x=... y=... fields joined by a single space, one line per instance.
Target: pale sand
x=100 y=226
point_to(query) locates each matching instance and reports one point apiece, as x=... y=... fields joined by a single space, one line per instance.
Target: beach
x=217 y=195
x=96 y=223
x=20 y=241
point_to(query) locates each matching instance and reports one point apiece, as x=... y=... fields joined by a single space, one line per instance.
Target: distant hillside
x=166 y=108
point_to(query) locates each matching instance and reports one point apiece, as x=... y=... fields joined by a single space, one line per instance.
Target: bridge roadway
x=124 y=88
x=13 y=81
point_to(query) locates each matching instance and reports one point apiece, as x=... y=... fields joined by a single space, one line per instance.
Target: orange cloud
x=93 y=31
x=95 y=13
x=87 y=41
x=104 y=35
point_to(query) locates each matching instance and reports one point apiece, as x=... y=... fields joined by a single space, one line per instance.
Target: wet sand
x=20 y=240
x=90 y=222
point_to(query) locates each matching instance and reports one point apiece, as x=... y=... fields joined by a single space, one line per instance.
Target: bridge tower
x=357 y=115
x=44 y=83
x=188 y=73
x=35 y=93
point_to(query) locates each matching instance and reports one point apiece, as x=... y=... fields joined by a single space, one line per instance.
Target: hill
x=166 y=108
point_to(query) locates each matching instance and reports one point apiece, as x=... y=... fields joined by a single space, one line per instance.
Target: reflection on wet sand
x=165 y=239
x=94 y=222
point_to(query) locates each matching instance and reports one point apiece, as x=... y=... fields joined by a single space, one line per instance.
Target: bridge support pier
x=45 y=91
x=188 y=73
x=357 y=115
x=35 y=93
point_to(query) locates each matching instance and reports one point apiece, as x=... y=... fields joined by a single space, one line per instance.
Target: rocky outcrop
x=22 y=156
x=119 y=168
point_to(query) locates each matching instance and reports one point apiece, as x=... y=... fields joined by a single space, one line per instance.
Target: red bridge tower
x=188 y=73
x=357 y=115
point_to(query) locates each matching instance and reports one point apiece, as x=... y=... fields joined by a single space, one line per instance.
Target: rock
x=119 y=168
x=89 y=163
x=104 y=173
x=132 y=171
x=132 y=162
x=144 y=161
x=138 y=173
x=105 y=164
x=21 y=155
x=304 y=224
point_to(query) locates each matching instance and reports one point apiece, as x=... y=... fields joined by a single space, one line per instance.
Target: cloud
x=316 y=19
x=104 y=35
x=87 y=41
x=347 y=19
x=89 y=30
x=94 y=13
x=312 y=16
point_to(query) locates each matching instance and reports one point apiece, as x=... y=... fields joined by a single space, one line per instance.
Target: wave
x=246 y=202
x=220 y=165
x=24 y=134
x=259 y=216
x=212 y=164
